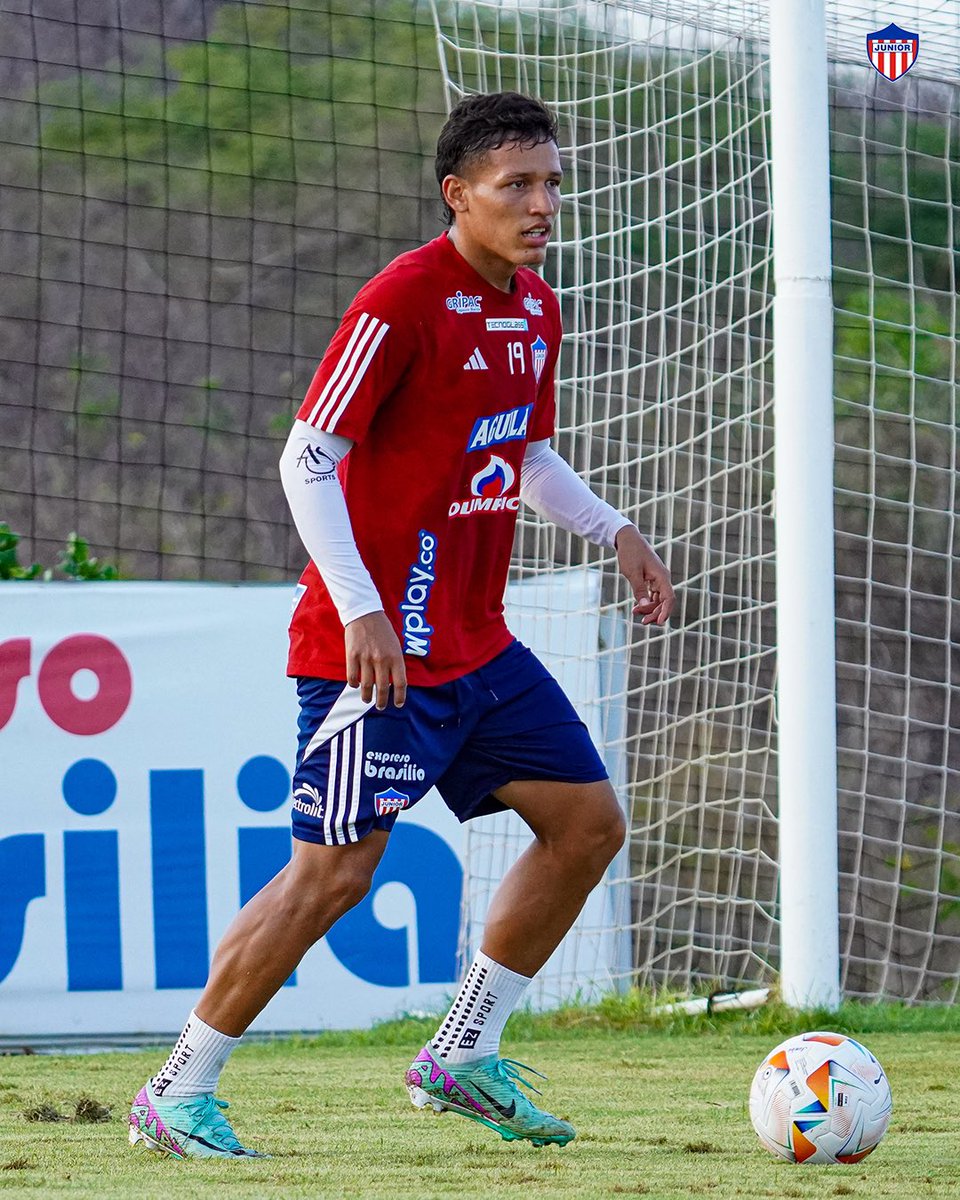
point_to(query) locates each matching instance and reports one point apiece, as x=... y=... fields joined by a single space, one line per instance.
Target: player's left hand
x=647 y=574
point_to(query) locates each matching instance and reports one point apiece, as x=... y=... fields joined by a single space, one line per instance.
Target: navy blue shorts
x=357 y=768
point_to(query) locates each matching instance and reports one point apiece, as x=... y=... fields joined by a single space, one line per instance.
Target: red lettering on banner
x=85 y=651
x=14 y=666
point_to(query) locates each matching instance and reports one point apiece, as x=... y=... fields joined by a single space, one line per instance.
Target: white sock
x=196 y=1062
x=473 y=1026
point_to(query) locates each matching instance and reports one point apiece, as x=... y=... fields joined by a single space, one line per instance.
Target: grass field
x=661 y=1110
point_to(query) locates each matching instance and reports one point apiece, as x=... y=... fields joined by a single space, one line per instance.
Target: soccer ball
x=820 y=1098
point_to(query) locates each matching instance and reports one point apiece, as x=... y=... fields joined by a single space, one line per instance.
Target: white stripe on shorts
x=356 y=776
x=342 y=727
x=343 y=785
x=345 y=710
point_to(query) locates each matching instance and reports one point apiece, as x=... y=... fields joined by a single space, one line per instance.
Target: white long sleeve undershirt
x=551 y=487
x=310 y=482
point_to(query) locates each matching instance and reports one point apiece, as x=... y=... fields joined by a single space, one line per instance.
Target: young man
x=427 y=422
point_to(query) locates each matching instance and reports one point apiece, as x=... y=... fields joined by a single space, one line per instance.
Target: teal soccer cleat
x=486 y=1091
x=185 y=1126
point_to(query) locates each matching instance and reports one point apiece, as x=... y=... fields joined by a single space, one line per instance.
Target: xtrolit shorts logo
x=308 y=800
x=489 y=487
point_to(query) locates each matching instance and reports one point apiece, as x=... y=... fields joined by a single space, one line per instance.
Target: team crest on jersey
x=489 y=489
x=390 y=801
x=539 y=352
x=460 y=303
x=533 y=305
x=509 y=426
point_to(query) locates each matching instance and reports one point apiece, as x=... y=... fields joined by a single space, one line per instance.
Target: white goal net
x=664 y=270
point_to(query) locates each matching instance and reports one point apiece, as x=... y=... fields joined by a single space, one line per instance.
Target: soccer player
x=426 y=424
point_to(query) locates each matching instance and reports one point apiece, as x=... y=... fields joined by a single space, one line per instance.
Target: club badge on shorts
x=893 y=51
x=390 y=801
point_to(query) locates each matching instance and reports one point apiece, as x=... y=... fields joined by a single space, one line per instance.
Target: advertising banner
x=147 y=734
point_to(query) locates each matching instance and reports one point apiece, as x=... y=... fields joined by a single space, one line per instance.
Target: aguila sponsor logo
x=459 y=303
x=533 y=305
x=417 y=631
x=390 y=801
x=509 y=426
x=489 y=489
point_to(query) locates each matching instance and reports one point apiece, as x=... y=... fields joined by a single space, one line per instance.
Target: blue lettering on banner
x=510 y=426
x=417 y=632
x=92 y=895
x=23 y=871
x=379 y=954
x=180 y=941
x=91 y=883
x=263 y=785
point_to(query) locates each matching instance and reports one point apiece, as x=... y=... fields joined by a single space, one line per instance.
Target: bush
x=74 y=560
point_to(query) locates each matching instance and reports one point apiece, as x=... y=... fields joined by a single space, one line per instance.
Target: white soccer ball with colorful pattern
x=820 y=1098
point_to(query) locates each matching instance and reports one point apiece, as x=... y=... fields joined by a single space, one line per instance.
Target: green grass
x=661 y=1109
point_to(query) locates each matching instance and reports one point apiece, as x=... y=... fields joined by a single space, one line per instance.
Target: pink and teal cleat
x=486 y=1091
x=185 y=1126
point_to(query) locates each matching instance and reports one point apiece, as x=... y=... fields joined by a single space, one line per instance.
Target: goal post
x=803 y=506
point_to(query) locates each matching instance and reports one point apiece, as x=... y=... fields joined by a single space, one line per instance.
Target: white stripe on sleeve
x=347 y=375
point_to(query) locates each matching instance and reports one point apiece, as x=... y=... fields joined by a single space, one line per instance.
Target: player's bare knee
x=602 y=831
x=346 y=887
x=615 y=833
x=322 y=897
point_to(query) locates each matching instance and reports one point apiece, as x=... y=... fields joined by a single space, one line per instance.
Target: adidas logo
x=475 y=362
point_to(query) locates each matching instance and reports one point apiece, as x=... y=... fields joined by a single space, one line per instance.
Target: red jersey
x=440 y=380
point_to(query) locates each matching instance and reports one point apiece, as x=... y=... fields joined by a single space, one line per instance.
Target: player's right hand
x=375 y=660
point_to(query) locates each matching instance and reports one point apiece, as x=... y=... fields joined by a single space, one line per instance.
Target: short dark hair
x=482 y=123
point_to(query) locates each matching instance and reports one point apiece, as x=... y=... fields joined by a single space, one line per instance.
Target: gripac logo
x=459 y=303
x=489 y=488
x=83 y=659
